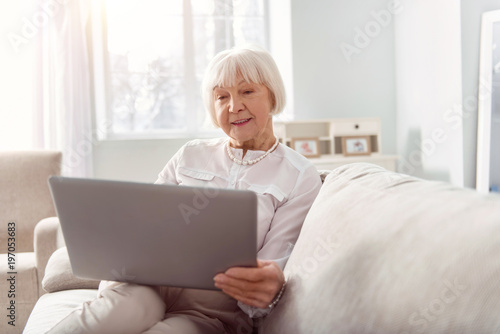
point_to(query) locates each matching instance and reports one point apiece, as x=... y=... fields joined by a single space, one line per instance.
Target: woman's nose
x=236 y=105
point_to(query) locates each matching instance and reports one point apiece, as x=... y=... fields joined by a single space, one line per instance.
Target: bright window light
x=156 y=53
x=16 y=82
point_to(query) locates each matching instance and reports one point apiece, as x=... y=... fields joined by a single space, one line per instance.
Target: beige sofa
x=24 y=200
x=379 y=252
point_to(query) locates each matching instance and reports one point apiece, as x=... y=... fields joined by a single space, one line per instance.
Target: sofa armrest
x=47 y=239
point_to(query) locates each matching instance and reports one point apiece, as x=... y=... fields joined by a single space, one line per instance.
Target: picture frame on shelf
x=308 y=147
x=356 y=145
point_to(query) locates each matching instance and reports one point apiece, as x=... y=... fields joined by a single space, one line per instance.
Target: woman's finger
x=240 y=284
x=249 y=274
x=265 y=270
x=252 y=286
x=257 y=299
x=261 y=291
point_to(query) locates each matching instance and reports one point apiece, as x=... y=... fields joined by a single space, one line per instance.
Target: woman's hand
x=252 y=286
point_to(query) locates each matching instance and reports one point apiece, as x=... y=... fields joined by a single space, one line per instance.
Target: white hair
x=254 y=64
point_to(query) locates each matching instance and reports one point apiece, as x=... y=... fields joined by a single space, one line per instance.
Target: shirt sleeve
x=286 y=225
x=289 y=217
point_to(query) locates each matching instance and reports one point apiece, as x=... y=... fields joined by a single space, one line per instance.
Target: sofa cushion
x=382 y=252
x=24 y=193
x=53 y=307
x=59 y=275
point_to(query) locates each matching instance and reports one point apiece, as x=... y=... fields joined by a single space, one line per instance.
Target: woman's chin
x=242 y=136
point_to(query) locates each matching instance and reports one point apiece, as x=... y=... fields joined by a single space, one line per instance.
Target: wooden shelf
x=330 y=132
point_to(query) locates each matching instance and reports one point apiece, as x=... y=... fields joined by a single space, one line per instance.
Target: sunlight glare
x=143 y=30
x=16 y=84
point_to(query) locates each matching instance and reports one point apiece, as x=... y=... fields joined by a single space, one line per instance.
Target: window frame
x=101 y=79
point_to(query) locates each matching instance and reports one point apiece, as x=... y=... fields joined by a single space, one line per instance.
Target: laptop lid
x=155 y=234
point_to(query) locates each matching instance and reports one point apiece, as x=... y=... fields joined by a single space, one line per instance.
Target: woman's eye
x=220 y=98
x=248 y=91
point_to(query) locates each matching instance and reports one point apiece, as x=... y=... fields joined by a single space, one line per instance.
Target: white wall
x=429 y=90
x=133 y=160
x=356 y=82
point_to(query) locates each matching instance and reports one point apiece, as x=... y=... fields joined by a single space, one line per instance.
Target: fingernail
x=220 y=278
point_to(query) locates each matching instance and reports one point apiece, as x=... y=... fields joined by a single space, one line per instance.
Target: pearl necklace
x=249 y=162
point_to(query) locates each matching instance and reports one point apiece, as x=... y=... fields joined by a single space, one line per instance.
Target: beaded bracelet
x=277 y=299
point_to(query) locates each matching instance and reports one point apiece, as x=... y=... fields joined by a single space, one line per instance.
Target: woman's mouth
x=241 y=122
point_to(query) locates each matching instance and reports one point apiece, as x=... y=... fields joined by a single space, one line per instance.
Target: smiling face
x=243 y=113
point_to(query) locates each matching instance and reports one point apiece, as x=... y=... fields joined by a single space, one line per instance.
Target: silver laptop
x=155 y=234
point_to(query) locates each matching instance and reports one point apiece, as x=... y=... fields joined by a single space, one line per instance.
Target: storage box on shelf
x=330 y=132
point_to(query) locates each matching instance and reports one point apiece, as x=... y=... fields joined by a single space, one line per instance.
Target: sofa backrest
x=382 y=252
x=24 y=194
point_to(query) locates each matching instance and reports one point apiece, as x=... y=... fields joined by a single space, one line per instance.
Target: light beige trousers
x=130 y=308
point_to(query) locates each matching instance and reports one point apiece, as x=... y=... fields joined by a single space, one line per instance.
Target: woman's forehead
x=236 y=83
x=230 y=74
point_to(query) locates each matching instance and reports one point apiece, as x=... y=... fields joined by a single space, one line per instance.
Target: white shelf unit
x=330 y=133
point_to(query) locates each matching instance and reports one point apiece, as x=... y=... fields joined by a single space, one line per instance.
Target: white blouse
x=286 y=184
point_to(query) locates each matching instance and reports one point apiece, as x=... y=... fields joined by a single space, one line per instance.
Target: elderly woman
x=242 y=90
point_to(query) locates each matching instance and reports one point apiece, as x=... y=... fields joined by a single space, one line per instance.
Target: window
x=154 y=54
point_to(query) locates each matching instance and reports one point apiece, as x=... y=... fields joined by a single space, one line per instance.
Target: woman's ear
x=273 y=102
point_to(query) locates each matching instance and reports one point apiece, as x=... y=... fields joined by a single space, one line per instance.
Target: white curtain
x=63 y=108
